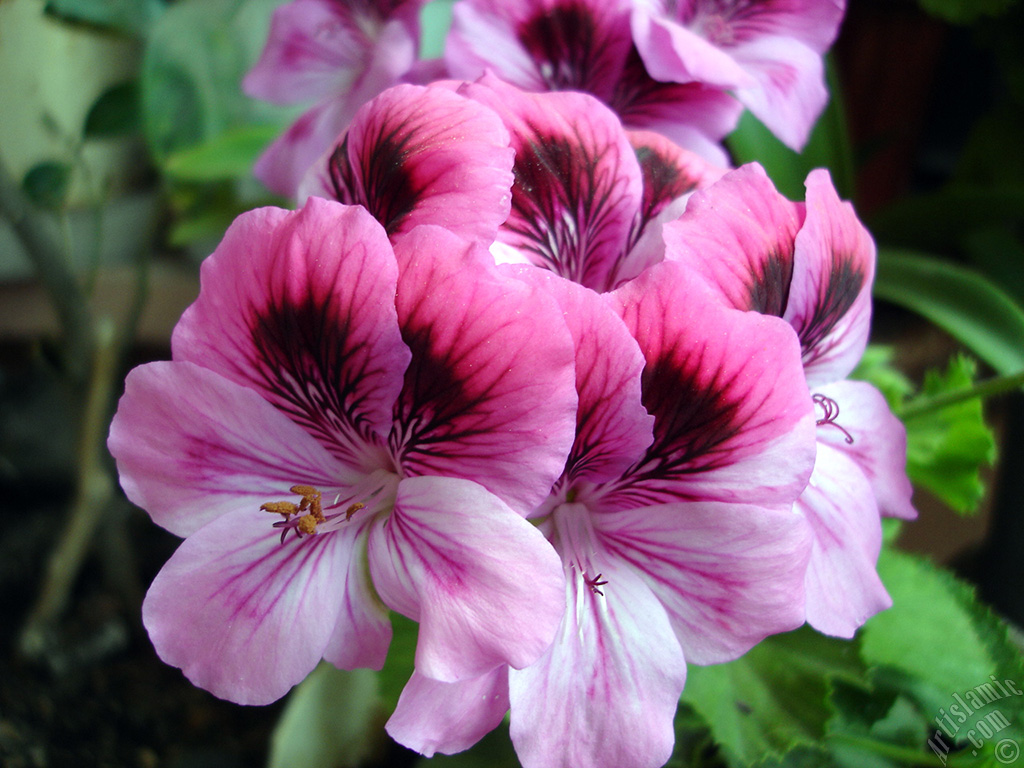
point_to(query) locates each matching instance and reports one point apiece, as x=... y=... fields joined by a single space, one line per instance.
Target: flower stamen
x=594 y=583
x=830 y=409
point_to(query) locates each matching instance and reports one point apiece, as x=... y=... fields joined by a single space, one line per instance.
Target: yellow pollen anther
x=307 y=524
x=285 y=508
x=353 y=509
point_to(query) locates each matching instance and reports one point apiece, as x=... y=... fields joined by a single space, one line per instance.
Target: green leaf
x=331 y=719
x=968 y=306
x=114 y=113
x=130 y=16
x=400 y=661
x=493 y=751
x=47 y=184
x=947 y=447
x=965 y=11
x=773 y=698
x=875 y=367
x=229 y=155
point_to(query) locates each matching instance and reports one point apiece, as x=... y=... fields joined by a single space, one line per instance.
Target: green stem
x=988 y=388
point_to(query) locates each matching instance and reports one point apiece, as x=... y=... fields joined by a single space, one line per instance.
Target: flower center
x=830 y=412
x=304 y=517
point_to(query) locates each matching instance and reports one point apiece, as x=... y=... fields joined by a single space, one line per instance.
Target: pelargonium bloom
x=586 y=45
x=391 y=411
x=673 y=519
x=419 y=155
x=589 y=198
x=338 y=54
x=767 y=52
x=813 y=265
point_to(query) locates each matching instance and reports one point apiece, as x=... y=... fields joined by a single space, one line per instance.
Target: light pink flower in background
x=586 y=45
x=767 y=52
x=418 y=155
x=673 y=519
x=589 y=198
x=337 y=54
x=812 y=264
x=393 y=412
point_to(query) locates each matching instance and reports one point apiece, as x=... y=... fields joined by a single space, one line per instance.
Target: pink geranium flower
x=813 y=265
x=391 y=410
x=586 y=45
x=338 y=54
x=673 y=519
x=767 y=52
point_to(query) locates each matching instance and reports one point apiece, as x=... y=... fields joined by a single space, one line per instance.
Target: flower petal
x=484 y=399
x=243 y=615
x=299 y=306
x=739 y=235
x=485 y=585
x=733 y=419
x=612 y=426
x=843 y=588
x=577 y=181
x=830 y=299
x=879 y=447
x=606 y=692
x=191 y=446
x=729 y=575
x=416 y=155
x=440 y=717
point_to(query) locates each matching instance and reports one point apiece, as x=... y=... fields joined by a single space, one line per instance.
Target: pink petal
x=417 y=155
x=843 y=588
x=830 y=299
x=733 y=420
x=490 y=394
x=485 y=585
x=879 y=447
x=729 y=575
x=243 y=615
x=739 y=235
x=299 y=306
x=612 y=426
x=440 y=717
x=362 y=633
x=606 y=692
x=577 y=182
x=191 y=446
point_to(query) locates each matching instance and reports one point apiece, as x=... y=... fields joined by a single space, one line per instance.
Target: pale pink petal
x=843 y=588
x=671 y=175
x=440 y=717
x=790 y=91
x=739 y=235
x=879 y=447
x=830 y=298
x=733 y=419
x=299 y=306
x=362 y=633
x=244 y=615
x=191 y=446
x=612 y=426
x=606 y=692
x=416 y=155
x=490 y=394
x=729 y=575
x=484 y=584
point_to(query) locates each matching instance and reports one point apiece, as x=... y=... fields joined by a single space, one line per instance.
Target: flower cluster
x=566 y=393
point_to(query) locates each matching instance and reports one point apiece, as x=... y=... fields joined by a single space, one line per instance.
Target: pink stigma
x=831 y=412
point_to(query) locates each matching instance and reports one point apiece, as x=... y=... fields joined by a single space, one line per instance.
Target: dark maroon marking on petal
x=662 y=183
x=387 y=189
x=554 y=176
x=636 y=93
x=769 y=291
x=312 y=371
x=845 y=282
x=566 y=44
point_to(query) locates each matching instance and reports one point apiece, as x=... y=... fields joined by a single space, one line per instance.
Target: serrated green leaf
x=47 y=184
x=331 y=719
x=773 y=698
x=969 y=307
x=114 y=113
x=947 y=447
x=229 y=155
x=876 y=368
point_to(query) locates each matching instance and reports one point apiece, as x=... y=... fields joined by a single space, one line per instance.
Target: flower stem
x=983 y=389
